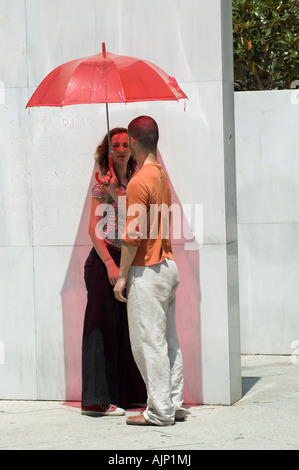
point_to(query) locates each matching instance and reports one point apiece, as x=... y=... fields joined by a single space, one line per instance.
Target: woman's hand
x=112 y=271
x=109 y=180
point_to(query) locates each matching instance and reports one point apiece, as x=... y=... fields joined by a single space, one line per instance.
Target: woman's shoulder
x=99 y=191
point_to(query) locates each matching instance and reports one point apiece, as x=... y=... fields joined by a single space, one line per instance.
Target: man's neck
x=144 y=158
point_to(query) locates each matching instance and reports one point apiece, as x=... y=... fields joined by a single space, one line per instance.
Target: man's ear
x=132 y=141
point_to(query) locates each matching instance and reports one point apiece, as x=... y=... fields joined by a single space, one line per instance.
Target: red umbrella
x=105 y=78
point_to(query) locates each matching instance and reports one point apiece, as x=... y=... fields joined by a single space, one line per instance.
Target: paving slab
x=266 y=418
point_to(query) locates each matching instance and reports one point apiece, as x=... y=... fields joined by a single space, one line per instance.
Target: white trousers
x=155 y=346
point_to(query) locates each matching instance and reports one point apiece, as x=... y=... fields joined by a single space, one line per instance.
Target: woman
x=109 y=374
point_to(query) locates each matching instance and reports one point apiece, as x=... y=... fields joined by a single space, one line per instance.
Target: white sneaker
x=102 y=410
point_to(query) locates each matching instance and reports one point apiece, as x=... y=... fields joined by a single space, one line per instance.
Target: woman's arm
x=100 y=245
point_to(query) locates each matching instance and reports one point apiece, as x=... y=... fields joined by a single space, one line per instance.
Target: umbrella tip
x=104 y=49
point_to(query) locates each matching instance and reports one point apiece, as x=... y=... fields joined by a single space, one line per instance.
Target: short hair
x=145 y=130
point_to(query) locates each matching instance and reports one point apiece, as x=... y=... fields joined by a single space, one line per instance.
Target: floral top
x=112 y=225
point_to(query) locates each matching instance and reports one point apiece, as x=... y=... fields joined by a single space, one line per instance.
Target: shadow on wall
x=73 y=297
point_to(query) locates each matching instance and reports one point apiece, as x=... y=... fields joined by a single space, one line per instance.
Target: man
x=149 y=274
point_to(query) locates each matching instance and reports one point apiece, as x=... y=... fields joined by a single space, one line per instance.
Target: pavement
x=265 y=418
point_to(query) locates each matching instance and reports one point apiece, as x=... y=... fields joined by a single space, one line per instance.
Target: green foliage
x=266 y=44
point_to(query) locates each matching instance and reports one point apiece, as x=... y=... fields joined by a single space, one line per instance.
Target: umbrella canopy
x=105 y=78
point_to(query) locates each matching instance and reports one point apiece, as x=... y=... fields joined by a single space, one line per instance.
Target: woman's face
x=120 y=149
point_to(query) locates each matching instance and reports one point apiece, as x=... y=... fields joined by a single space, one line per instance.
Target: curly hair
x=102 y=151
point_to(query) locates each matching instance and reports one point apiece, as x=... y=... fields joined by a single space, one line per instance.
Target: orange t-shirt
x=148 y=216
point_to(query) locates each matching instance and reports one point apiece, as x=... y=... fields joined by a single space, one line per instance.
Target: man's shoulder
x=138 y=189
x=137 y=179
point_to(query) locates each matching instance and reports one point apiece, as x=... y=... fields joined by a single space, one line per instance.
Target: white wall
x=267 y=149
x=47 y=170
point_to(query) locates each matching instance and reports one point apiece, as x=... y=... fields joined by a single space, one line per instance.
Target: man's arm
x=128 y=253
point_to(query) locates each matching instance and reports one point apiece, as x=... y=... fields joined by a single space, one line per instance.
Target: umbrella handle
x=97 y=176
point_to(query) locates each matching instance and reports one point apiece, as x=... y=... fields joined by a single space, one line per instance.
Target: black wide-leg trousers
x=109 y=372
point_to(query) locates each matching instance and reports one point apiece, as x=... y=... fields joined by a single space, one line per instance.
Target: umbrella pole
x=107 y=117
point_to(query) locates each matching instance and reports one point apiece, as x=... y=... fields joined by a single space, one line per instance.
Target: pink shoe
x=102 y=410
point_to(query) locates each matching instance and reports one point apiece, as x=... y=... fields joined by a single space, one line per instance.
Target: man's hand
x=128 y=253
x=119 y=289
